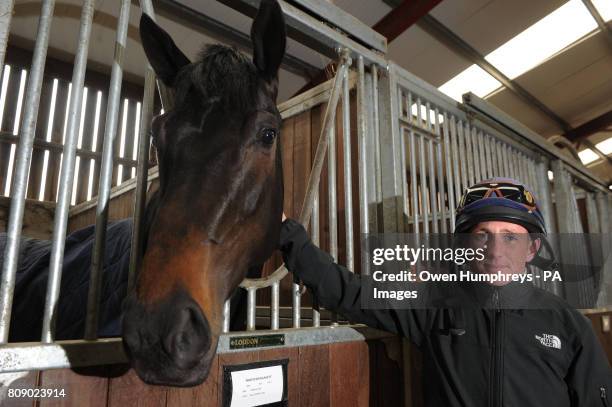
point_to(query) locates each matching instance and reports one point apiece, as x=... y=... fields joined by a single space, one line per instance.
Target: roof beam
x=458 y=45
x=404 y=16
x=599 y=123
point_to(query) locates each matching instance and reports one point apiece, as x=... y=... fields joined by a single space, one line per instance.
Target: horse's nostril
x=188 y=338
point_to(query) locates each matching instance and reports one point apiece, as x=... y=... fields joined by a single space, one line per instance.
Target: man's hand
x=284 y=217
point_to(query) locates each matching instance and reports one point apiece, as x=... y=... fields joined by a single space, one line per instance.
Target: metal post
x=432 y=188
x=364 y=213
x=413 y=182
x=483 y=163
x=455 y=150
x=489 y=156
x=22 y=166
x=348 y=181
x=449 y=172
x=314 y=235
x=67 y=173
x=106 y=172
x=376 y=141
x=226 y=316
x=476 y=148
x=251 y=309
x=274 y=311
x=332 y=205
x=469 y=153
x=462 y=154
x=423 y=179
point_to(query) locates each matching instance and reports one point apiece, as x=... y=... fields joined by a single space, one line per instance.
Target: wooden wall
x=346 y=374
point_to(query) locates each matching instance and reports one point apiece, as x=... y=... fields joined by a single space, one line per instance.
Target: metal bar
x=376 y=134
x=455 y=151
x=332 y=204
x=106 y=172
x=22 y=166
x=481 y=150
x=364 y=214
x=226 y=316
x=462 y=153
x=274 y=314
x=391 y=146
x=449 y=174
x=348 y=181
x=476 y=148
x=251 y=309
x=508 y=165
x=432 y=188
x=346 y=22
x=469 y=153
x=489 y=156
x=314 y=235
x=423 y=179
x=404 y=169
x=413 y=182
x=67 y=173
x=500 y=160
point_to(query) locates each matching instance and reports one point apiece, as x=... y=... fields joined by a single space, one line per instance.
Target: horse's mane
x=220 y=73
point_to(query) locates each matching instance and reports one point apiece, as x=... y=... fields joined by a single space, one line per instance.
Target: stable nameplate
x=256 y=341
x=255 y=384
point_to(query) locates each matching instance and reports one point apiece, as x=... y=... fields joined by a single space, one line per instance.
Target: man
x=494 y=355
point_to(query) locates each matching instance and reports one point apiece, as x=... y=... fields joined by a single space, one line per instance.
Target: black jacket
x=476 y=357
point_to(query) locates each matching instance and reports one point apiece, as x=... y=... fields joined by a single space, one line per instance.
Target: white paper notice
x=254 y=387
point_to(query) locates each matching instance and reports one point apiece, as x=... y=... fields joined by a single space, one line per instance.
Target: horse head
x=218 y=208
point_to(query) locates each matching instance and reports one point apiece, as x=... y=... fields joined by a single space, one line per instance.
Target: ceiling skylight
x=474 y=80
x=605 y=146
x=587 y=156
x=543 y=39
x=528 y=49
x=604 y=7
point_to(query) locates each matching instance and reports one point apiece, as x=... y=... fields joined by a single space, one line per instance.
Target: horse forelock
x=222 y=74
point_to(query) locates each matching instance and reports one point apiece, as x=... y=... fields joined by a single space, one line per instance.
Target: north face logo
x=551 y=341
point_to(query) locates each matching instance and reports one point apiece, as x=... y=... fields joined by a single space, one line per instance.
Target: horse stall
x=372 y=150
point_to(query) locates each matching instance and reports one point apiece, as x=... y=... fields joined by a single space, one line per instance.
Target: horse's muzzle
x=170 y=342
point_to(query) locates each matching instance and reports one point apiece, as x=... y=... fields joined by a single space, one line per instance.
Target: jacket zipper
x=497 y=385
x=604 y=397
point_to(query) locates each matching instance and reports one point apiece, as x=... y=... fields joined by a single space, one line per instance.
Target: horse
x=218 y=208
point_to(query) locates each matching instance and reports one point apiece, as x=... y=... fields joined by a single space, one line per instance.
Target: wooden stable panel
x=346 y=374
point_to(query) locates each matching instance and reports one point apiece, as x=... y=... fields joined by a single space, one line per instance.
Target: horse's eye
x=267 y=136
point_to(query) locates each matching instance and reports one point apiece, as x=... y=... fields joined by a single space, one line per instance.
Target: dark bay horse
x=218 y=208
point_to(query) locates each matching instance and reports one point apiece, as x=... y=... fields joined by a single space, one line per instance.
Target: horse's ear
x=163 y=54
x=269 y=38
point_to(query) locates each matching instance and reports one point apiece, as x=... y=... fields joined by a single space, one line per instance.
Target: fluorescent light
x=587 y=156
x=604 y=7
x=542 y=40
x=605 y=146
x=474 y=79
x=551 y=175
x=528 y=49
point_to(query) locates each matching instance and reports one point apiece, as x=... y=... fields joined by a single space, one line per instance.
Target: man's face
x=507 y=248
